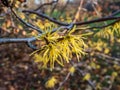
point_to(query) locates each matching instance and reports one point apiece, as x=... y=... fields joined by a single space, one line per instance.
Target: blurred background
x=98 y=70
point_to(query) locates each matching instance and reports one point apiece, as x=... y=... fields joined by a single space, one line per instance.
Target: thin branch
x=25 y=23
x=95 y=9
x=66 y=78
x=46 y=17
x=83 y=74
x=89 y=81
x=99 y=27
x=63 y=9
x=45 y=4
x=78 y=11
x=101 y=55
x=19 y=40
x=104 y=56
x=108 y=18
x=16 y=40
x=63 y=27
x=97 y=20
x=115 y=13
x=54 y=7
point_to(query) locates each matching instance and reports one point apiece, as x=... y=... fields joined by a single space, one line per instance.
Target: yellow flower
x=72 y=69
x=48 y=55
x=107 y=50
x=40 y=24
x=59 y=48
x=17 y=4
x=51 y=82
x=87 y=76
x=116 y=28
x=33 y=16
x=114 y=74
x=22 y=15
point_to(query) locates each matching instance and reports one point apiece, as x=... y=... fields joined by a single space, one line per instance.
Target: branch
x=66 y=78
x=98 y=20
x=82 y=74
x=78 y=11
x=99 y=27
x=108 y=18
x=25 y=23
x=101 y=55
x=115 y=13
x=63 y=9
x=19 y=40
x=46 y=17
x=89 y=81
x=45 y=4
x=54 y=7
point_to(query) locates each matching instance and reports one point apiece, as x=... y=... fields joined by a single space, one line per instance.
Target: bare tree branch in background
x=63 y=9
x=46 y=4
x=78 y=11
x=54 y=7
x=64 y=81
x=83 y=74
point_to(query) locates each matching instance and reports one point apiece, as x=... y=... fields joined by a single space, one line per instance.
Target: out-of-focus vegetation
x=75 y=57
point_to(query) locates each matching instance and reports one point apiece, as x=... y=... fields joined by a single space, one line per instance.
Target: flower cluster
x=59 y=48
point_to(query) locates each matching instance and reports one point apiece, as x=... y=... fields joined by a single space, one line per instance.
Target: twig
x=108 y=18
x=66 y=78
x=115 y=13
x=19 y=40
x=78 y=11
x=45 y=4
x=95 y=9
x=98 y=27
x=54 y=7
x=107 y=57
x=16 y=40
x=104 y=56
x=89 y=81
x=63 y=9
x=63 y=27
x=82 y=74
x=97 y=20
x=25 y=23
